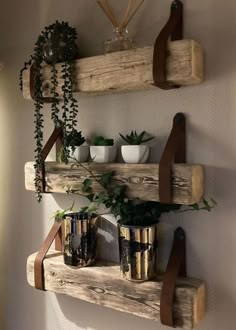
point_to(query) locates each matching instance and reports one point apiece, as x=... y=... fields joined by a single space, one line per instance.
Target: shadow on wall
x=93 y=317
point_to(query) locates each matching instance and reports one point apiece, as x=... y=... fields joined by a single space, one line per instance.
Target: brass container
x=79 y=239
x=137 y=247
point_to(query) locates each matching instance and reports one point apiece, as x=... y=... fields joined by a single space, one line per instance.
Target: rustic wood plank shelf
x=128 y=70
x=142 y=180
x=102 y=285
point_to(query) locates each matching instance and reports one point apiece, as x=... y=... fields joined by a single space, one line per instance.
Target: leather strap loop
x=176 y=266
x=173 y=29
x=175 y=151
x=38 y=264
x=57 y=134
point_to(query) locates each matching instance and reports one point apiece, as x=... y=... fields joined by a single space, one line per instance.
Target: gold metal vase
x=79 y=239
x=137 y=247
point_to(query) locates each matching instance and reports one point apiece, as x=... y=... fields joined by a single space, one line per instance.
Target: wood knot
x=96 y=289
x=52 y=273
x=135 y=180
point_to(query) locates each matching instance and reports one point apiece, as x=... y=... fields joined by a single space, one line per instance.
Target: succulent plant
x=135 y=139
x=75 y=138
x=102 y=141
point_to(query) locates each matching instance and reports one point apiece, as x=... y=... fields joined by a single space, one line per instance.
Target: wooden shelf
x=102 y=285
x=142 y=180
x=128 y=70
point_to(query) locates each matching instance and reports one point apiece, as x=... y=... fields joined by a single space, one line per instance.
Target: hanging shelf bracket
x=55 y=233
x=173 y=30
x=176 y=267
x=56 y=137
x=175 y=151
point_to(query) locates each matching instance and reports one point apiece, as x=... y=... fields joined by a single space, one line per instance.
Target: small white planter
x=103 y=154
x=81 y=153
x=135 y=154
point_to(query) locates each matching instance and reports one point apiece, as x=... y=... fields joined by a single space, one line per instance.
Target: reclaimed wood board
x=142 y=180
x=127 y=70
x=101 y=284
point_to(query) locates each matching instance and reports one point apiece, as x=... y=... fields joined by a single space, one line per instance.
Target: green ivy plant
x=129 y=212
x=56 y=43
x=135 y=139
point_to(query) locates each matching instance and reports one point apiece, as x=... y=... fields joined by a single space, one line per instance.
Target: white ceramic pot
x=135 y=154
x=103 y=154
x=81 y=153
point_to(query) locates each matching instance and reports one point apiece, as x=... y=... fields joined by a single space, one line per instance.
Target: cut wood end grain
x=199 y=306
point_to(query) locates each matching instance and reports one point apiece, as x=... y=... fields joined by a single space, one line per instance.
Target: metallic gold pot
x=138 y=246
x=79 y=239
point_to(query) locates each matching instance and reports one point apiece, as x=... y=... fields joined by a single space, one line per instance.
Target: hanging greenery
x=56 y=43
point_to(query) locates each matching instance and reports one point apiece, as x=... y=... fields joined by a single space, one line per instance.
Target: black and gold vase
x=79 y=238
x=138 y=247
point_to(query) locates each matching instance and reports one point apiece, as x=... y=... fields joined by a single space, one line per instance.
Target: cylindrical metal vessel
x=138 y=246
x=79 y=239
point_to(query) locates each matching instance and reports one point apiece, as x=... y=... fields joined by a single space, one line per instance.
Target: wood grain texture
x=102 y=285
x=128 y=70
x=142 y=180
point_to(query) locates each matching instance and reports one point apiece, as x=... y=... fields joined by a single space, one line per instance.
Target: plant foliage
x=75 y=138
x=129 y=212
x=135 y=139
x=102 y=141
x=56 y=43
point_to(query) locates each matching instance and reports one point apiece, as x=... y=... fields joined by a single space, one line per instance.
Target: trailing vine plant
x=113 y=196
x=56 y=43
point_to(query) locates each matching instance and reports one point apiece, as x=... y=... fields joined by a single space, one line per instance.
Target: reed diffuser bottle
x=121 y=40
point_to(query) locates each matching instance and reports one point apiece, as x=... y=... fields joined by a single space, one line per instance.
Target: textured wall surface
x=211 y=116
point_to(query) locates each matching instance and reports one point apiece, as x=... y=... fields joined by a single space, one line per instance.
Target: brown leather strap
x=173 y=29
x=174 y=151
x=57 y=134
x=38 y=263
x=32 y=86
x=176 y=266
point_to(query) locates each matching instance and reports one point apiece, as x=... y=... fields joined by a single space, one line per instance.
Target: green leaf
x=90 y=197
x=101 y=197
x=87 y=185
x=195 y=206
x=106 y=179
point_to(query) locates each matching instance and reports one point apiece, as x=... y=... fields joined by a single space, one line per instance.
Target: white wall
x=210 y=108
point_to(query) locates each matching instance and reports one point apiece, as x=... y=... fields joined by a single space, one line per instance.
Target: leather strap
x=175 y=151
x=57 y=134
x=38 y=263
x=32 y=86
x=173 y=29
x=176 y=266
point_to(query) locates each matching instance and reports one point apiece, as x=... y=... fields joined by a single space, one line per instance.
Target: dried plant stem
x=132 y=15
x=127 y=13
x=108 y=11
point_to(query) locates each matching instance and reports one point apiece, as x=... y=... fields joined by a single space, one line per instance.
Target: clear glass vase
x=120 y=42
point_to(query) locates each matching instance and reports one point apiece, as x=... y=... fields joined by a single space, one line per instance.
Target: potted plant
x=136 y=151
x=77 y=151
x=79 y=236
x=137 y=223
x=56 y=43
x=102 y=150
